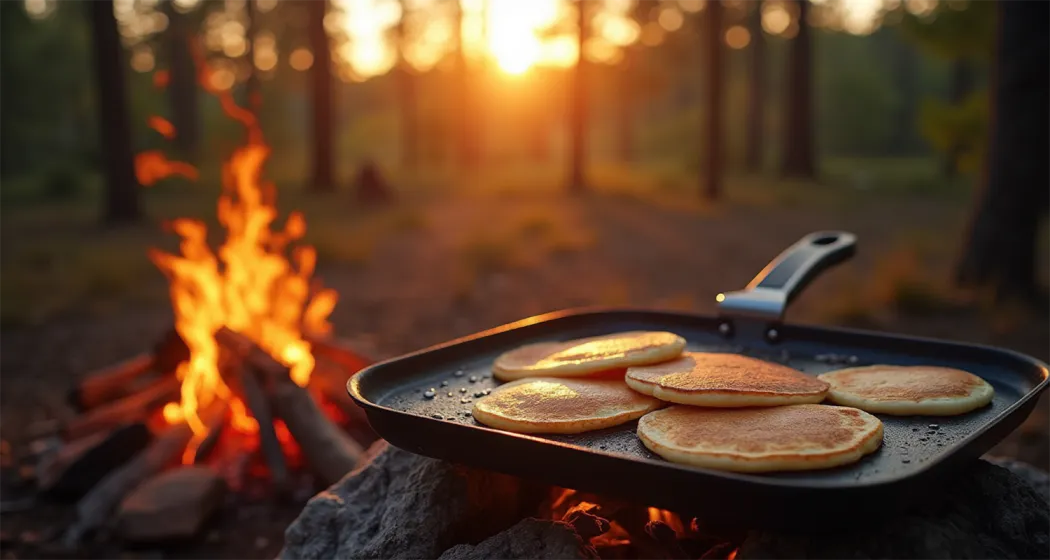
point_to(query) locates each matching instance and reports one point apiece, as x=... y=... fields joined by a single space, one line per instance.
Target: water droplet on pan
x=479 y=394
x=934 y=426
x=449 y=393
x=905 y=460
x=429 y=394
x=462 y=389
x=473 y=379
x=437 y=416
x=444 y=383
x=458 y=373
x=464 y=400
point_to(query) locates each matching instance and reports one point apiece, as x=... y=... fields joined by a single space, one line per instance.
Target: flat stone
x=399 y=505
x=529 y=538
x=171 y=505
x=986 y=512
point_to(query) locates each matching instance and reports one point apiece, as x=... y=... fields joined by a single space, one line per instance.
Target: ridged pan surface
x=438 y=386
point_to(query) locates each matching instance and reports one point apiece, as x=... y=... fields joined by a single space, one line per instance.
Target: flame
x=152 y=166
x=732 y=555
x=670 y=518
x=248 y=285
x=162 y=125
x=161 y=79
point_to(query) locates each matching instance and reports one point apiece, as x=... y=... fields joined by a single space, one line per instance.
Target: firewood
x=329 y=452
x=129 y=409
x=329 y=379
x=215 y=429
x=120 y=380
x=110 y=383
x=80 y=465
x=259 y=405
x=340 y=352
x=94 y=509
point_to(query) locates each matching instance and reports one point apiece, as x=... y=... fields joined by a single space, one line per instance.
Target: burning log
x=123 y=379
x=80 y=465
x=129 y=409
x=328 y=451
x=259 y=406
x=215 y=428
x=94 y=509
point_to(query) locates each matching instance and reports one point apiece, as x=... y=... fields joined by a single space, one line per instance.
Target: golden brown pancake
x=725 y=380
x=783 y=438
x=584 y=356
x=549 y=405
x=906 y=390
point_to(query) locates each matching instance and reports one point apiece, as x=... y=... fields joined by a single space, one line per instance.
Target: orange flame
x=161 y=79
x=153 y=165
x=162 y=125
x=248 y=285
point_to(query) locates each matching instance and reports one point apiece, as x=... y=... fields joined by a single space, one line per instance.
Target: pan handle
x=769 y=294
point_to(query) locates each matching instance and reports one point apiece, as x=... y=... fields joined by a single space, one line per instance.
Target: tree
x=467 y=111
x=407 y=96
x=715 y=63
x=121 y=197
x=321 y=91
x=182 y=85
x=1000 y=250
x=799 y=158
x=756 y=93
x=578 y=104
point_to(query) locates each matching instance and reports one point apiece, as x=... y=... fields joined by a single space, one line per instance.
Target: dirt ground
x=470 y=263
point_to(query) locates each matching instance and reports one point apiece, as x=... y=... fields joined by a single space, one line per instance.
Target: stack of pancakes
x=728 y=412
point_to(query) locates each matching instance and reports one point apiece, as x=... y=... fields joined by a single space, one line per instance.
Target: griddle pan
x=421 y=402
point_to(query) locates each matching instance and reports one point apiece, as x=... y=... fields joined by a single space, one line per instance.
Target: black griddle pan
x=918 y=452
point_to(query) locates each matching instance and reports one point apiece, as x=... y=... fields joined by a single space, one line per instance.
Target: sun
x=514 y=32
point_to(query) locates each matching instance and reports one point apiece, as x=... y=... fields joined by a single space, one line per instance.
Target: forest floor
x=431 y=268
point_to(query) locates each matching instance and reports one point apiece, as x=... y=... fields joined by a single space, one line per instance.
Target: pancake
x=907 y=390
x=584 y=356
x=783 y=438
x=725 y=381
x=548 y=405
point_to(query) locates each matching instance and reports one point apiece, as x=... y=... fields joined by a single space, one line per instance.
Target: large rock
x=529 y=539
x=987 y=512
x=172 y=505
x=400 y=505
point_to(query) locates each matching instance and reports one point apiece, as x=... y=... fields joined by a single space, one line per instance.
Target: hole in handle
x=825 y=240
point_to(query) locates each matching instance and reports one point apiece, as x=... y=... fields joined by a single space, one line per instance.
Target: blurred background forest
x=749 y=121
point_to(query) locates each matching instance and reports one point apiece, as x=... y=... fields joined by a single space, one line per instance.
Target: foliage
x=958 y=129
x=954 y=30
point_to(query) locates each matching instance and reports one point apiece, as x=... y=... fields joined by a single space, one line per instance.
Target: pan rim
x=354 y=389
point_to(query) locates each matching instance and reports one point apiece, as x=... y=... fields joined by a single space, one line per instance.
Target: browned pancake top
x=700 y=372
x=904 y=383
x=550 y=354
x=781 y=429
x=546 y=399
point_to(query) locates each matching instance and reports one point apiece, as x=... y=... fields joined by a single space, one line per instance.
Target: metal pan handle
x=769 y=294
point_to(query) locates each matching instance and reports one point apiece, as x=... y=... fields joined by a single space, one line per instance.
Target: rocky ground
x=466 y=264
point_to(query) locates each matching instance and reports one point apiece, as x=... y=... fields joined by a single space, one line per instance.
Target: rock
x=1039 y=479
x=400 y=505
x=530 y=538
x=80 y=465
x=987 y=512
x=171 y=505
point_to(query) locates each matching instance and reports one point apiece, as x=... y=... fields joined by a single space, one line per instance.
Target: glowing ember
x=162 y=125
x=152 y=166
x=248 y=285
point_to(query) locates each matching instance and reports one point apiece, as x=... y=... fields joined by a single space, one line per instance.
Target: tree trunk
x=798 y=119
x=251 y=86
x=1000 y=252
x=756 y=99
x=468 y=112
x=904 y=61
x=121 y=197
x=714 y=52
x=578 y=106
x=407 y=98
x=625 y=137
x=182 y=85
x=961 y=86
x=321 y=76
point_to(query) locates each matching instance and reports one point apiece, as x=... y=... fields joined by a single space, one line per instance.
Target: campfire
x=247 y=373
